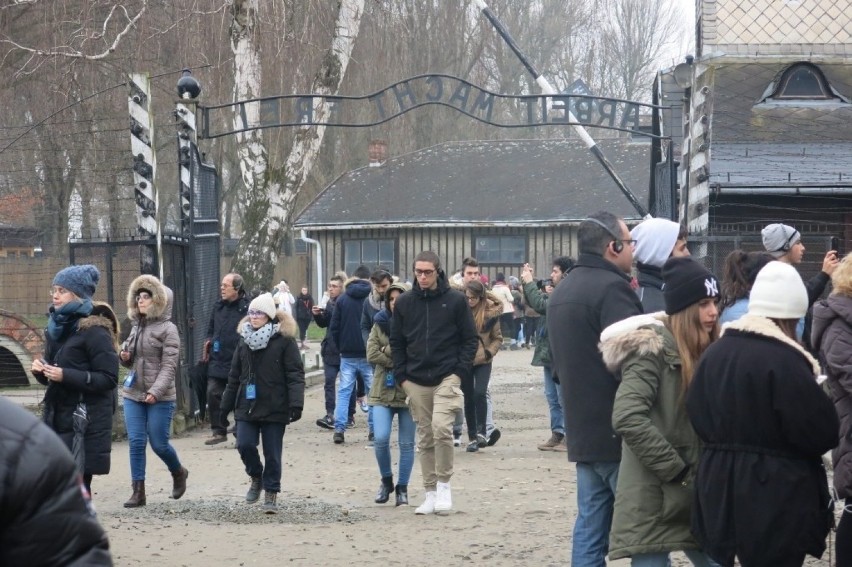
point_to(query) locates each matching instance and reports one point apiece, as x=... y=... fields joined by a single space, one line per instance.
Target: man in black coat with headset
x=592 y=296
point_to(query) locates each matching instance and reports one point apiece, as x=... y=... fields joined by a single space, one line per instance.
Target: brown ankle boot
x=179 y=482
x=138 y=497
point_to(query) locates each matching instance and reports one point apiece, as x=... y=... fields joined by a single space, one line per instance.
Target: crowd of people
x=697 y=412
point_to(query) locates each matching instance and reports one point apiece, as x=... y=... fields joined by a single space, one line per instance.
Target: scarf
x=259 y=338
x=63 y=321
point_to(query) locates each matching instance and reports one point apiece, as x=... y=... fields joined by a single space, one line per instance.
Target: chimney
x=378 y=151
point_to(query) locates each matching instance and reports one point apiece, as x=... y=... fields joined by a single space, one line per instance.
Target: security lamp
x=683 y=73
x=187 y=86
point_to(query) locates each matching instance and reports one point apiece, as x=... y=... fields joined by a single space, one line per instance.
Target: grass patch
x=315 y=333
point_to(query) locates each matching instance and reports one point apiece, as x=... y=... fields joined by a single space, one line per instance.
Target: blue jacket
x=345 y=327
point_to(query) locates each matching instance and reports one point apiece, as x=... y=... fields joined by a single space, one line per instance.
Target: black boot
x=383 y=495
x=402 y=495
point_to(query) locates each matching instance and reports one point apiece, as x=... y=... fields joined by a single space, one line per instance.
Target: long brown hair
x=787 y=326
x=691 y=340
x=477 y=289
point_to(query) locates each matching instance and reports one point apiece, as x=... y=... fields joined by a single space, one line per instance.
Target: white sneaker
x=428 y=506
x=456 y=441
x=444 y=499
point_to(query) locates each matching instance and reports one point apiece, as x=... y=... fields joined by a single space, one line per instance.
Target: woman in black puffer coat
x=266 y=391
x=831 y=335
x=80 y=365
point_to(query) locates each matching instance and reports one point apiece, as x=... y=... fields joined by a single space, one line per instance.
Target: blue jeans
x=382 y=425
x=596 y=484
x=698 y=558
x=331 y=373
x=249 y=433
x=149 y=422
x=553 y=394
x=349 y=368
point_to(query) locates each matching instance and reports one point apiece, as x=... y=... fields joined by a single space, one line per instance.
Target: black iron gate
x=190 y=268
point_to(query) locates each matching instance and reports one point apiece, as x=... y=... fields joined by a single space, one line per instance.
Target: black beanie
x=685 y=282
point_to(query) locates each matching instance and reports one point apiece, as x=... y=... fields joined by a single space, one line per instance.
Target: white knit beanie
x=778 y=293
x=265 y=303
x=655 y=239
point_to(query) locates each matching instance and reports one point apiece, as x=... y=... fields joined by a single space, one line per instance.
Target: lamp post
x=188 y=90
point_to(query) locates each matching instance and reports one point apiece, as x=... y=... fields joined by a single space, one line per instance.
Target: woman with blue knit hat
x=80 y=367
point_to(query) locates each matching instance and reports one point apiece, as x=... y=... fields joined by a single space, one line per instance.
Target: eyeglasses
x=628 y=241
x=472 y=299
x=143 y=297
x=426 y=273
x=225 y=285
x=58 y=290
x=256 y=313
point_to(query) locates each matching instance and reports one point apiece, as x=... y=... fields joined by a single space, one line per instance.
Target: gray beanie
x=81 y=280
x=779 y=238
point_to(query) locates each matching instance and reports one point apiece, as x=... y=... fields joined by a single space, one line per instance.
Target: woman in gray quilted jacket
x=151 y=352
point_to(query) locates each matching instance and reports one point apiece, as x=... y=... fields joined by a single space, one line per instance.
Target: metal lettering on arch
x=504 y=111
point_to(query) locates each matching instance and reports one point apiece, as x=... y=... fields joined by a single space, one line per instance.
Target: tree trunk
x=271 y=191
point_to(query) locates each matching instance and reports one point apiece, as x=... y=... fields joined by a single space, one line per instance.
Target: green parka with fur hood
x=652 y=508
x=153 y=344
x=379 y=355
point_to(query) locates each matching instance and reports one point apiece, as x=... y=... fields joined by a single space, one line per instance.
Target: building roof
x=780 y=164
x=486 y=184
x=759 y=141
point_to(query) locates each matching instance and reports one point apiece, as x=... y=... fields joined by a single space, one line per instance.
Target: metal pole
x=320 y=280
x=547 y=88
x=144 y=172
x=673 y=163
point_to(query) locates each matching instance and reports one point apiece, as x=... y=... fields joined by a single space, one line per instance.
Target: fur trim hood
x=161 y=299
x=102 y=316
x=639 y=334
x=287 y=326
x=763 y=326
x=493 y=306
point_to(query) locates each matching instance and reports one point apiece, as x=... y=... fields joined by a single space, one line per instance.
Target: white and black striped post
x=144 y=171
x=188 y=91
x=548 y=89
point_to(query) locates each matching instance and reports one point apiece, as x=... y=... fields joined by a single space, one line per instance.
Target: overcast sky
x=687 y=11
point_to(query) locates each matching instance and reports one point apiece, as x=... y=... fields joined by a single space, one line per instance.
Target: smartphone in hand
x=834 y=244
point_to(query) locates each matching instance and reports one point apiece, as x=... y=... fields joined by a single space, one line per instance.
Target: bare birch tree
x=271 y=190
